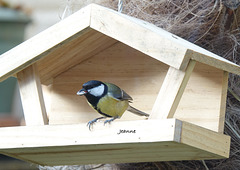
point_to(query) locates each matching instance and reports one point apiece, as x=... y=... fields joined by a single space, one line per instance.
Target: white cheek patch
x=97 y=91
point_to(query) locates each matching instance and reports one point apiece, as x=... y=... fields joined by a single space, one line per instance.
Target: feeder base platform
x=118 y=142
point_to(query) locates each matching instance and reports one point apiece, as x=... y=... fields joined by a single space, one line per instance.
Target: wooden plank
x=40 y=45
x=171 y=92
x=63 y=144
x=217 y=143
x=147 y=38
x=32 y=97
x=223 y=102
x=216 y=61
x=139 y=75
x=117 y=153
x=63 y=135
x=201 y=100
x=84 y=46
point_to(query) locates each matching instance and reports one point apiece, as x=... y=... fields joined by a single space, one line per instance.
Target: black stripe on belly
x=104 y=114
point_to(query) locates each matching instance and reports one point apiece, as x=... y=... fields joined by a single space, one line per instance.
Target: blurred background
x=20 y=20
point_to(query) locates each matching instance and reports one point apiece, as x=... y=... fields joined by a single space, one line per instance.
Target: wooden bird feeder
x=181 y=85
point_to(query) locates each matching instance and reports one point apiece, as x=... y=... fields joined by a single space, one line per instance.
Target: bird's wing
x=117 y=93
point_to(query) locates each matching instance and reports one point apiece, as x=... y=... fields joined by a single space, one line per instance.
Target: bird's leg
x=90 y=123
x=110 y=120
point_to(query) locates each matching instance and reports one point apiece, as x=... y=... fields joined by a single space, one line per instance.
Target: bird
x=107 y=99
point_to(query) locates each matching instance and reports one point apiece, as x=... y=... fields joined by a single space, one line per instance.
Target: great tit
x=108 y=100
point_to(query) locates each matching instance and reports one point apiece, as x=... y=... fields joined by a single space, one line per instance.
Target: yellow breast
x=112 y=107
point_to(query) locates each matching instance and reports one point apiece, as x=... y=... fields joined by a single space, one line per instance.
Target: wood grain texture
x=32 y=97
x=148 y=38
x=223 y=103
x=83 y=46
x=201 y=101
x=139 y=75
x=170 y=139
x=171 y=92
x=140 y=35
x=194 y=136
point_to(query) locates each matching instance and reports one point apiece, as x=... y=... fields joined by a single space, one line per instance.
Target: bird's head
x=94 y=88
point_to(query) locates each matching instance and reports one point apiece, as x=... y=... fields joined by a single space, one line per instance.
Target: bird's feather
x=117 y=93
x=136 y=111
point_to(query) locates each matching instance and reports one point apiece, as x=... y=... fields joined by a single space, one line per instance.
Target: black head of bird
x=108 y=100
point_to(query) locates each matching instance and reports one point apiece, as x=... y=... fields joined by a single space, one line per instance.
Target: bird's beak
x=81 y=92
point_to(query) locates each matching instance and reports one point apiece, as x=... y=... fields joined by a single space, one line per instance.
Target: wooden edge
x=216 y=61
x=171 y=92
x=39 y=46
x=178 y=131
x=100 y=15
x=14 y=139
x=79 y=134
x=153 y=140
x=31 y=96
x=182 y=87
x=19 y=157
x=205 y=139
x=223 y=102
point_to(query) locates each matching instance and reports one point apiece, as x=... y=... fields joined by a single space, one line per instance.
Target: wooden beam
x=201 y=101
x=171 y=92
x=170 y=139
x=32 y=97
x=190 y=136
x=154 y=41
x=146 y=38
x=223 y=102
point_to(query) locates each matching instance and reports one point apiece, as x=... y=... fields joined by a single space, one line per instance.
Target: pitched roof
x=95 y=28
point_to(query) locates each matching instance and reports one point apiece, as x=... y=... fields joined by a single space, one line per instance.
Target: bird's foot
x=90 y=123
x=110 y=120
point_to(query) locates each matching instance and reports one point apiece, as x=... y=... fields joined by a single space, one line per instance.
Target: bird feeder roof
x=95 y=28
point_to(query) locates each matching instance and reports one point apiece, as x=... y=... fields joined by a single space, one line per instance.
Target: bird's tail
x=136 y=111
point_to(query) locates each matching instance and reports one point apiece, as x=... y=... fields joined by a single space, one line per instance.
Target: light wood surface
x=140 y=76
x=140 y=35
x=170 y=139
x=201 y=101
x=31 y=96
x=201 y=138
x=154 y=41
x=171 y=92
x=88 y=44
x=223 y=101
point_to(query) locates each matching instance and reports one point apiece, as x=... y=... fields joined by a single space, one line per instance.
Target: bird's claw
x=110 y=120
x=90 y=123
